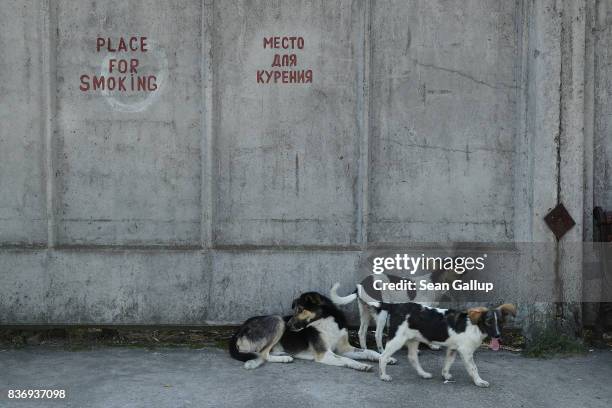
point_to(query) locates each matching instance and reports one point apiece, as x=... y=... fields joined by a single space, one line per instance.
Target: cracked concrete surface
x=123 y=377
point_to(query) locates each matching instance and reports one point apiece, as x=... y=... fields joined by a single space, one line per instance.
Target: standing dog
x=459 y=331
x=370 y=300
x=316 y=331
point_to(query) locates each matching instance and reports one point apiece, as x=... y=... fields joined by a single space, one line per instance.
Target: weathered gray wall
x=603 y=106
x=444 y=119
x=288 y=156
x=22 y=159
x=428 y=123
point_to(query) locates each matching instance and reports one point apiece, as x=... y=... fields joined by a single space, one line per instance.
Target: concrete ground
x=127 y=377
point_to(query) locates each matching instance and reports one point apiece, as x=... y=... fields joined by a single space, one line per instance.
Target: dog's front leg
x=344 y=348
x=361 y=354
x=470 y=366
x=254 y=363
x=330 y=358
x=448 y=362
x=279 y=359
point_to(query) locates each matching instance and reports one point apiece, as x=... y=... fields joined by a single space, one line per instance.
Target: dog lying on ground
x=459 y=331
x=316 y=331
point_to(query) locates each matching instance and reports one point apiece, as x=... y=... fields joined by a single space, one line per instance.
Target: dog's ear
x=507 y=308
x=476 y=313
x=294 y=303
x=313 y=298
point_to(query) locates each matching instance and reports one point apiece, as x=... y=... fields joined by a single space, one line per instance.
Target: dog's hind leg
x=448 y=362
x=253 y=364
x=413 y=357
x=470 y=366
x=364 y=318
x=381 y=322
x=264 y=354
x=392 y=346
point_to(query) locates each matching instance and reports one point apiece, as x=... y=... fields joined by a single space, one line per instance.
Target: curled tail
x=236 y=353
x=341 y=300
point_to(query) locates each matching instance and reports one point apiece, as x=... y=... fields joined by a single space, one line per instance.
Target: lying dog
x=459 y=331
x=316 y=331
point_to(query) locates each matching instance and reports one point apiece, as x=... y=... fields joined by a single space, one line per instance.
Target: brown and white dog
x=316 y=331
x=460 y=331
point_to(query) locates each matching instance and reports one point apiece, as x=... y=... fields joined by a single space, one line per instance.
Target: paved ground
x=124 y=377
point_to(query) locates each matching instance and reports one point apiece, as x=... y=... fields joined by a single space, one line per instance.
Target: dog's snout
x=291 y=324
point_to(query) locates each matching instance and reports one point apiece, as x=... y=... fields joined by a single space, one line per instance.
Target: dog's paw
x=386 y=377
x=482 y=383
x=434 y=347
x=447 y=376
x=252 y=364
x=392 y=361
x=364 y=367
x=285 y=359
x=425 y=375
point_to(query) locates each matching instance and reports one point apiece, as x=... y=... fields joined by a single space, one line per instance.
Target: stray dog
x=459 y=331
x=370 y=300
x=316 y=331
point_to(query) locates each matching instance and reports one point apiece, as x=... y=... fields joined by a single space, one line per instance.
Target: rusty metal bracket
x=559 y=221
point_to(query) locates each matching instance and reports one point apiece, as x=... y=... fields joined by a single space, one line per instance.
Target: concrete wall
x=444 y=117
x=603 y=106
x=428 y=123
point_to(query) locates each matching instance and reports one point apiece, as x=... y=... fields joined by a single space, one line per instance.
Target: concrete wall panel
x=128 y=287
x=287 y=155
x=23 y=292
x=130 y=167
x=443 y=120
x=250 y=283
x=104 y=287
x=22 y=163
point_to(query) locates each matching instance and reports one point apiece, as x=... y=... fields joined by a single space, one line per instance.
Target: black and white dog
x=459 y=331
x=316 y=331
x=370 y=300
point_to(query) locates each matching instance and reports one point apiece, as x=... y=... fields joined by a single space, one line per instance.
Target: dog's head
x=306 y=309
x=491 y=321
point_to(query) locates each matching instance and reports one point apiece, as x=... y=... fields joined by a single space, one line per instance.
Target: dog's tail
x=237 y=354
x=341 y=300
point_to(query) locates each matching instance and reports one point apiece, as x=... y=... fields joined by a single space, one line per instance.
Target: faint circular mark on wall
x=156 y=62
